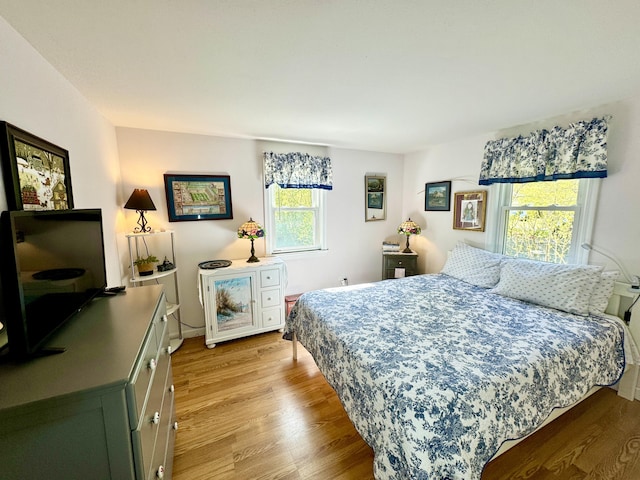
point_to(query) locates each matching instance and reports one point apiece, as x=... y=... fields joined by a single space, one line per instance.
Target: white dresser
x=242 y=299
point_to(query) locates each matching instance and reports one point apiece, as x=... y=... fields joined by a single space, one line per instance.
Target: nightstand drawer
x=406 y=261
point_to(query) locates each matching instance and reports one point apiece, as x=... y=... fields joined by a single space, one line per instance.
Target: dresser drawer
x=143 y=374
x=166 y=424
x=270 y=298
x=269 y=278
x=272 y=317
x=151 y=419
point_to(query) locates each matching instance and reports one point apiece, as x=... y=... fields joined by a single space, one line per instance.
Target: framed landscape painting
x=198 y=197
x=36 y=172
x=437 y=196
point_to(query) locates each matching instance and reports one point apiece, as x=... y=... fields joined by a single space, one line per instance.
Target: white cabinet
x=242 y=299
x=162 y=245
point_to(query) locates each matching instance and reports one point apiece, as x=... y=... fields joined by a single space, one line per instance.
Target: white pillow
x=602 y=292
x=563 y=287
x=473 y=265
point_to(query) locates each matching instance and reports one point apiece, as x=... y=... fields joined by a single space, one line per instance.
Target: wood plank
x=246 y=410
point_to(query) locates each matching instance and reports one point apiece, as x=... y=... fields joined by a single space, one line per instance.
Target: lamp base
x=407 y=249
x=253 y=258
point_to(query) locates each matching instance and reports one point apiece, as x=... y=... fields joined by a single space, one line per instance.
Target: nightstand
x=397 y=264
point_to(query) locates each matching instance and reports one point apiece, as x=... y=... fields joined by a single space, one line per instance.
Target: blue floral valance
x=297 y=170
x=578 y=151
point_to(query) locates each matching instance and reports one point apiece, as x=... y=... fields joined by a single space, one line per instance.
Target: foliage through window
x=546 y=221
x=295 y=219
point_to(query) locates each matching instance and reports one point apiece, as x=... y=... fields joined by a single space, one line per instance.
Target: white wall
x=616 y=229
x=36 y=98
x=354 y=245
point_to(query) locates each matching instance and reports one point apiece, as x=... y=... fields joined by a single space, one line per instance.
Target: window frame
x=319 y=201
x=585 y=211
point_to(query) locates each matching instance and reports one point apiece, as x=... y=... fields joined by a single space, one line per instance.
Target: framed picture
x=437 y=196
x=469 y=210
x=36 y=173
x=198 y=197
x=375 y=206
x=234 y=300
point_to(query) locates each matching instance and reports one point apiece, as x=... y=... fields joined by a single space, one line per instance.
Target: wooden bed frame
x=627 y=387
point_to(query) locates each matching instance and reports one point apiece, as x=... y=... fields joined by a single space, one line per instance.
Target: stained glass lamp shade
x=409 y=228
x=251 y=230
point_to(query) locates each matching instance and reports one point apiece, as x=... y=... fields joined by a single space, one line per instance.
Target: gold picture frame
x=375 y=198
x=469 y=210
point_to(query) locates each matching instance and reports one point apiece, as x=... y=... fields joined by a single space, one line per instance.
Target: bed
x=437 y=372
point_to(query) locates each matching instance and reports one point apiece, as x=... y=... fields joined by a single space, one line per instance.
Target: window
x=546 y=221
x=295 y=219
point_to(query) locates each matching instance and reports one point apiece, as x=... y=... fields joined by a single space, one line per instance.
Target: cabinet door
x=232 y=304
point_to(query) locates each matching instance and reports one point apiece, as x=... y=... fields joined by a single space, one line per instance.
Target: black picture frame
x=36 y=172
x=437 y=196
x=193 y=197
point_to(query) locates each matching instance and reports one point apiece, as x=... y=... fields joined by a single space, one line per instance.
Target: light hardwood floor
x=246 y=410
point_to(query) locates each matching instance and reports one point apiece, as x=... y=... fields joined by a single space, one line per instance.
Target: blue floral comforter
x=435 y=373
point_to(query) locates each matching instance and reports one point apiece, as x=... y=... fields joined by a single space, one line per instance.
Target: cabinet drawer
x=269 y=278
x=270 y=298
x=272 y=317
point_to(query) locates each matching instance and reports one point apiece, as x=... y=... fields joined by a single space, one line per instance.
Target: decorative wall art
x=437 y=196
x=375 y=206
x=36 y=173
x=469 y=210
x=198 y=197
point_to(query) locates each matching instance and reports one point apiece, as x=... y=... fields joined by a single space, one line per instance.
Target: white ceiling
x=392 y=76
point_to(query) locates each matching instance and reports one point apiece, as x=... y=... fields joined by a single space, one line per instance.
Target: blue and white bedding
x=436 y=373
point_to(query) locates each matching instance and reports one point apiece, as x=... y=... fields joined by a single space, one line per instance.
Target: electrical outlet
x=344 y=282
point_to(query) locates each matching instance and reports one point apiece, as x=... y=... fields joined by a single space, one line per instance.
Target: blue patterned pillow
x=563 y=287
x=473 y=265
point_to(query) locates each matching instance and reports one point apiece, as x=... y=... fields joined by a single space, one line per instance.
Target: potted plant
x=146 y=265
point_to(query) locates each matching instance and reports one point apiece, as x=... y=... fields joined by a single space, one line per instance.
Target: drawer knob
x=172 y=388
x=152 y=364
x=169 y=349
x=156 y=418
x=164 y=318
x=399 y=263
x=160 y=472
x=268 y=277
x=175 y=425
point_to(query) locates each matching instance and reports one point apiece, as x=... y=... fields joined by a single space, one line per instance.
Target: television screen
x=53 y=266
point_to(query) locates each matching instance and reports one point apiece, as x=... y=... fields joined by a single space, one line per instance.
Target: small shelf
x=137 y=242
x=175 y=344
x=172 y=308
x=144 y=278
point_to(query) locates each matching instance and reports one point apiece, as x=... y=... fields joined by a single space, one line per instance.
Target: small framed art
x=198 y=197
x=437 y=196
x=375 y=201
x=36 y=172
x=469 y=209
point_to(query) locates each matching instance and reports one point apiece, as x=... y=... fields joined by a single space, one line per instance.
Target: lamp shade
x=140 y=200
x=250 y=229
x=409 y=228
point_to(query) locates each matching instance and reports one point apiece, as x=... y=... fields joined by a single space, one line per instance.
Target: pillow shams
x=563 y=287
x=473 y=265
x=602 y=292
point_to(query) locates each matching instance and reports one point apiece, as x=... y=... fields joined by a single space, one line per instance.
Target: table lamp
x=251 y=230
x=141 y=202
x=409 y=228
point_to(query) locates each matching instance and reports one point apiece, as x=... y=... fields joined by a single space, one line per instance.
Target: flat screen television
x=52 y=265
